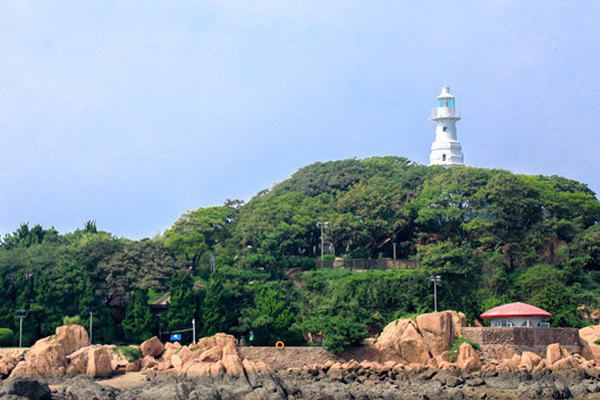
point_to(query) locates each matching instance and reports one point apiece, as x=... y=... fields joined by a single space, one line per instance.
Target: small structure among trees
x=517 y=315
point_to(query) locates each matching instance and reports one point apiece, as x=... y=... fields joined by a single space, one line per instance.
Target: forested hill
x=493 y=236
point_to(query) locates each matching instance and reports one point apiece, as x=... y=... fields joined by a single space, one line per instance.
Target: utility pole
x=194 y=330
x=322 y=226
x=21 y=314
x=435 y=279
x=91 y=311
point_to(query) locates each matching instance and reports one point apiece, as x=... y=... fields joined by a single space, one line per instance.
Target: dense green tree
x=182 y=307
x=139 y=321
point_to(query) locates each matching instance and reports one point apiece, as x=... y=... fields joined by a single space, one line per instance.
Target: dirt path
x=125 y=381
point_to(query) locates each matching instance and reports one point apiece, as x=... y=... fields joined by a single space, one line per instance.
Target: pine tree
x=182 y=306
x=139 y=320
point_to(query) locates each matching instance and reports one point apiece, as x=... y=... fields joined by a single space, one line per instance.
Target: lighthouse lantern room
x=446 y=149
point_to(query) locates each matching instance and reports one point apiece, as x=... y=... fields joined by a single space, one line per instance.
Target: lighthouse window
x=445 y=129
x=443 y=157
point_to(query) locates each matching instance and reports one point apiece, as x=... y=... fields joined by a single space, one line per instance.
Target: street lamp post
x=435 y=279
x=91 y=311
x=194 y=330
x=21 y=314
x=322 y=226
x=394 y=244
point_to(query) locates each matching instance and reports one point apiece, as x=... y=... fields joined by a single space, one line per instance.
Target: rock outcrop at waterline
x=405 y=345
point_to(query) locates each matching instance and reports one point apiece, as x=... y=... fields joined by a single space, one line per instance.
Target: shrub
x=74 y=320
x=130 y=353
x=597 y=341
x=455 y=347
x=6 y=337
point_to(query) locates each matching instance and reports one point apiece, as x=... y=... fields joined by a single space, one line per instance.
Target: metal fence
x=365 y=265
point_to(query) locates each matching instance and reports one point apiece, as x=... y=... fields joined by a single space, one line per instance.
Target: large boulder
x=78 y=361
x=420 y=340
x=99 y=363
x=554 y=353
x=48 y=356
x=72 y=337
x=587 y=338
x=468 y=359
x=440 y=329
x=152 y=347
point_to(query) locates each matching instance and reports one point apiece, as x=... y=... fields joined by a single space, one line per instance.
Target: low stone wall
x=298 y=357
x=497 y=342
x=288 y=357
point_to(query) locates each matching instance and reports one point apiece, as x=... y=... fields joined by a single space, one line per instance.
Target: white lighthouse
x=446 y=150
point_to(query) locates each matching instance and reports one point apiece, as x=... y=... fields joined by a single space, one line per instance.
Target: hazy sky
x=132 y=112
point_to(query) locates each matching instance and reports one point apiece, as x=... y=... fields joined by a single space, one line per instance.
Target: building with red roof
x=517 y=315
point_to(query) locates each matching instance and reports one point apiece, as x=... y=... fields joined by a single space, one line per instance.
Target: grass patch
x=130 y=353
x=454 y=349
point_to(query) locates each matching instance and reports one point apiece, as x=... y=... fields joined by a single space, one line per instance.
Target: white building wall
x=516 y=322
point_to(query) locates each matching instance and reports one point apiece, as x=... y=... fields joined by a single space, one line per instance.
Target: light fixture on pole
x=394 y=244
x=91 y=311
x=435 y=279
x=321 y=226
x=21 y=314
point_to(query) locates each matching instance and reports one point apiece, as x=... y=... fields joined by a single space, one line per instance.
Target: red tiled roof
x=515 y=310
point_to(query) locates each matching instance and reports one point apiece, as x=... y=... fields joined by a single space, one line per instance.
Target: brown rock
x=589 y=349
x=213 y=354
x=529 y=361
x=440 y=329
x=152 y=347
x=48 y=355
x=164 y=364
x=44 y=358
x=555 y=352
x=99 y=363
x=149 y=362
x=186 y=354
x=134 y=366
x=78 y=361
x=468 y=359
x=413 y=348
x=196 y=368
x=72 y=337
x=232 y=362
x=569 y=362
x=176 y=361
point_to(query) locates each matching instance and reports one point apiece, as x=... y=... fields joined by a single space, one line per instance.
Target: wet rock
x=22 y=387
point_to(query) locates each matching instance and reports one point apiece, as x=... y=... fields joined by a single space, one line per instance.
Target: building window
x=443 y=157
x=445 y=129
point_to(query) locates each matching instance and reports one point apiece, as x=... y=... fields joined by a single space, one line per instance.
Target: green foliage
x=454 y=349
x=493 y=236
x=7 y=337
x=74 y=320
x=130 y=353
x=597 y=341
x=274 y=316
x=182 y=307
x=139 y=322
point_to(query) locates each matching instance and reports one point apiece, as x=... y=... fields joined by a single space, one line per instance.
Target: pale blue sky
x=132 y=112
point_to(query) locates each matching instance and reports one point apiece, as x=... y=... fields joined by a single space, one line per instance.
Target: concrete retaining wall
x=496 y=342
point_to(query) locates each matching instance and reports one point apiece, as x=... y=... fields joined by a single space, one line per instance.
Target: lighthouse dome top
x=445 y=93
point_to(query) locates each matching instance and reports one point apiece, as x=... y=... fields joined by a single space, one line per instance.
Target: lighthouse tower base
x=446 y=153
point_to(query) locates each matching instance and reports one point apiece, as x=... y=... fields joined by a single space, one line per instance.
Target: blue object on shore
x=175 y=337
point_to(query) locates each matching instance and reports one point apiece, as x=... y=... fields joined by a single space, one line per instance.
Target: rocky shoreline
x=303 y=384
x=411 y=360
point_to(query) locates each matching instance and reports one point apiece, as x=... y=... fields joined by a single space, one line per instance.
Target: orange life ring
x=280 y=345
